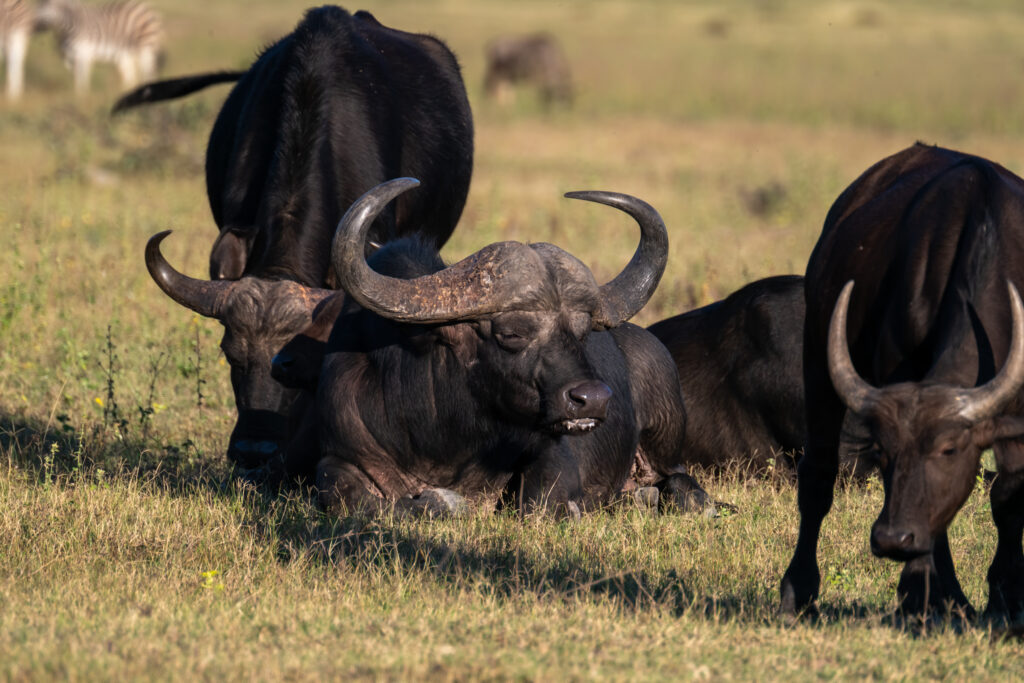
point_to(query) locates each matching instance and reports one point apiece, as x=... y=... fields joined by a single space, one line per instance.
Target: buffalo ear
x=987 y=432
x=462 y=339
x=230 y=253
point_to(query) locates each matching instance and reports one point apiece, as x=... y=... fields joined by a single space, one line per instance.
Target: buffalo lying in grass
x=510 y=374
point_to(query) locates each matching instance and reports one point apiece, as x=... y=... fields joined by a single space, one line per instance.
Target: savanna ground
x=128 y=550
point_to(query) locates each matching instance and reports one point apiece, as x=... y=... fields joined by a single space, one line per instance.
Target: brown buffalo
x=915 y=329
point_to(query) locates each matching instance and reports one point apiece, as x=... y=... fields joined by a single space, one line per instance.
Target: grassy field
x=130 y=551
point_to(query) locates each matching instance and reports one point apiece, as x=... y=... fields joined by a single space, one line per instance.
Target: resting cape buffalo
x=915 y=327
x=326 y=113
x=510 y=371
x=739 y=362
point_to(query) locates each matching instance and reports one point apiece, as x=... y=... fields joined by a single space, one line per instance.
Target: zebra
x=17 y=18
x=129 y=34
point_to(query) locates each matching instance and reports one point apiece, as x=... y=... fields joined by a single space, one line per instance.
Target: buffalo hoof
x=1005 y=605
x=921 y=592
x=682 y=492
x=434 y=503
x=646 y=497
x=798 y=597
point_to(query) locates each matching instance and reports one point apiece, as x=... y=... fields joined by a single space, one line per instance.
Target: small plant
x=210 y=580
x=199 y=373
x=111 y=411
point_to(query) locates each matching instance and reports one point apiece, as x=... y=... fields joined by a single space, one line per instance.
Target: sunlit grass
x=130 y=551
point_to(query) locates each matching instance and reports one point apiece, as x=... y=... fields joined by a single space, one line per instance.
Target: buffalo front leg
x=551 y=483
x=1006 y=573
x=928 y=584
x=816 y=480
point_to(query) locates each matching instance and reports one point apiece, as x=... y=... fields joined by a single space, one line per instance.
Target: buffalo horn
x=484 y=282
x=990 y=398
x=201 y=296
x=858 y=395
x=624 y=296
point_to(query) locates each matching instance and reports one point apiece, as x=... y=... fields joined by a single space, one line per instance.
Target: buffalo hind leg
x=928 y=584
x=1006 y=573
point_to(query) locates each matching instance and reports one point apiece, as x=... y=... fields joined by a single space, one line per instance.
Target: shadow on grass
x=290 y=522
x=58 y=452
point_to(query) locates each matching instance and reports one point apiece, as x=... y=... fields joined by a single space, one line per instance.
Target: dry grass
x=115 y=502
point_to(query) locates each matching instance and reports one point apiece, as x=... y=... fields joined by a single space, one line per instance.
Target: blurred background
x=739 y=120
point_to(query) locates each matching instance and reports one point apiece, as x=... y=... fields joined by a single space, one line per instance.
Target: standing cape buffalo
x=931 y=238
x=536 y=59
x=739 y=362
x=511 y=370
x=326 y=113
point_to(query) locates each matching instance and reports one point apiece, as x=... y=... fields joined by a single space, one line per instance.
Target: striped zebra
x=17 y=18
x=128 y=34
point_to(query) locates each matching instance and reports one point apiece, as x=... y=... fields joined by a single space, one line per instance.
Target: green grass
x=116 y=504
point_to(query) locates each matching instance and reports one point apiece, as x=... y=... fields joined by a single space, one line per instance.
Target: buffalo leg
x=816 y=480
x=929 y=584
x=342 y=488
x=683 y=492
x=1006 y=573
x=551 y=483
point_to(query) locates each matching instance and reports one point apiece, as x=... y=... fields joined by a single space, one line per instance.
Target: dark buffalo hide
x=324 y=114
x=915 y=330
x=511 y=374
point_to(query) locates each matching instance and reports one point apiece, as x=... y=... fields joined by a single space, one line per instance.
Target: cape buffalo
x=535 y=59
x=326 y=113
x=911 y=311
x=511 y=370
x=739 y=364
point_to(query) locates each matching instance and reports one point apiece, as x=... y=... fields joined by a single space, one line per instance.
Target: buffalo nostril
x=590 y=397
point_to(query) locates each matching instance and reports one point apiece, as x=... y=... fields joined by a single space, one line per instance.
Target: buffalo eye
x=510 y=341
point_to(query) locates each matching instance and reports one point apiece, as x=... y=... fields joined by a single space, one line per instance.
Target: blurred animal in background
x=536 y=60
x=126 y=34
x=510 y=371
x=17 y=18
x=326 y=113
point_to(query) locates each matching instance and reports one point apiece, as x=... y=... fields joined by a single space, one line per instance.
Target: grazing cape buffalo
x=912 y=315
x=535 y=59
x=739 y=363
x=326 y=113
x=510 y=371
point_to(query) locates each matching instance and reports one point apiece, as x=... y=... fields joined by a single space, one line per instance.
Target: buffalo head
x=928 y=437
x=258 y=316
x=515 y=316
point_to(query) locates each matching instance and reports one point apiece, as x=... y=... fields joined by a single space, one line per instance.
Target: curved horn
x=990 y=398
x=858 y=395
x=624 y=296
x=199 y=295
x=484 y=282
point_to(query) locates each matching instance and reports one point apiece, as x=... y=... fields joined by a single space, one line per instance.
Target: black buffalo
x=326 y=113
x=536 y=59
x=739 y=363
x=914 y=326
x=511 y=371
